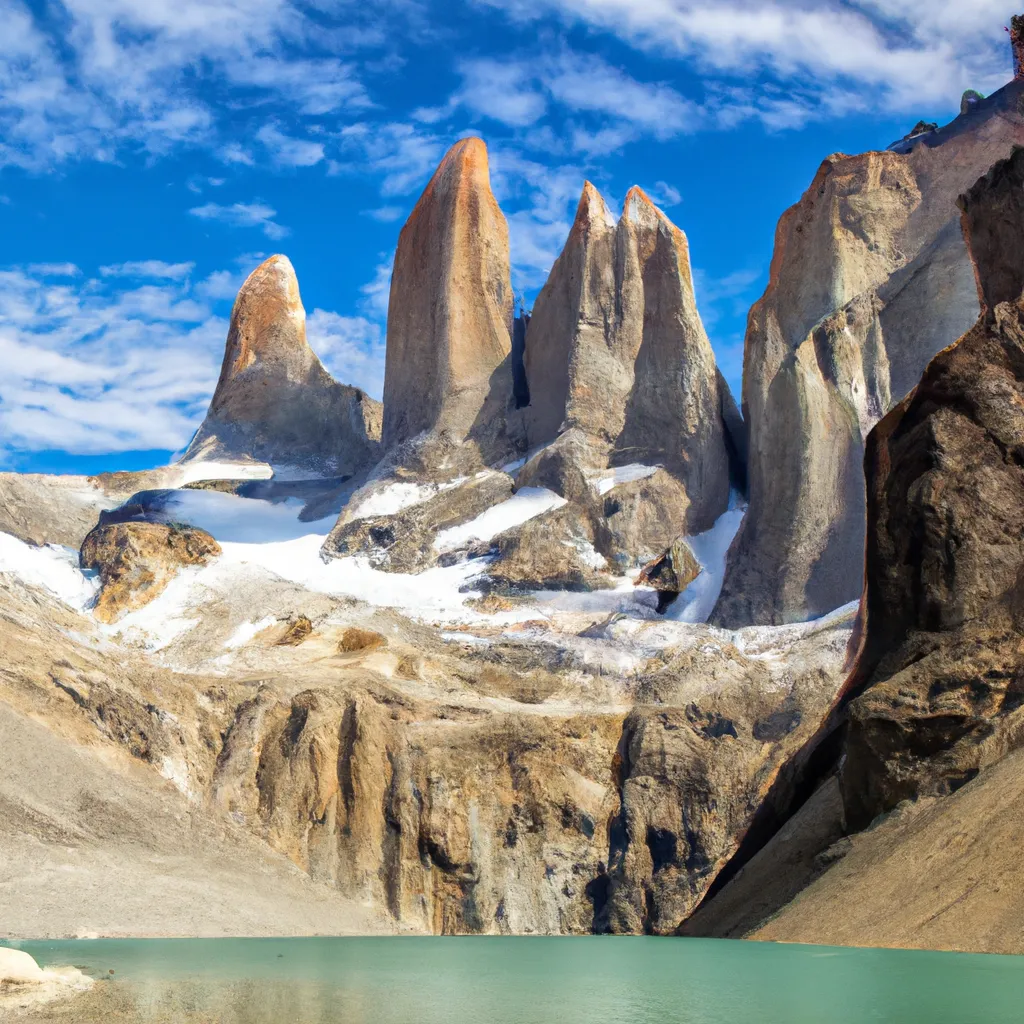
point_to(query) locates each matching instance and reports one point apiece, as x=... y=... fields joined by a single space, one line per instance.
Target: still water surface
x=533 y=981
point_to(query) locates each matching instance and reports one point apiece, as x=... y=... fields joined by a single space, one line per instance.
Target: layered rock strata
x=448 y=364
x=870 y=278
x=274 y=400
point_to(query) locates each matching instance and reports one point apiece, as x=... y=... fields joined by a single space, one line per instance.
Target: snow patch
x=247 y=630
x=398 y=496
x=199 y=471
x=697 y=601
x=625 y=475
x=232 y=519
x=158 y=624
x=53 y=568
x=526 y=504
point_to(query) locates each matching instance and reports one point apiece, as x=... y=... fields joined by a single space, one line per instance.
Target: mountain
x=908 y=839
x=617 y=358
x=274 y=402
x=448 y=365
x=870 y=278
x=447 y=667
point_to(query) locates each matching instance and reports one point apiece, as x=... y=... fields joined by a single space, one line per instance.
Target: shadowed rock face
x=274 y=401
x=448 y=366
x=941 y=665
x=870 y=278
x=617 y=357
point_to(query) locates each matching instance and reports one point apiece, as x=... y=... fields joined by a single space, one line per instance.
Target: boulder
x=937 y=692
x=448 y=365
x=404 y=541
x=19 y=968
x=671 y=573
x=869 y=280
x=553 y=551
x=274 y=401
x=136 y=561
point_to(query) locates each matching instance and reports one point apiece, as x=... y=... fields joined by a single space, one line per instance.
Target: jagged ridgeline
x=450 y=656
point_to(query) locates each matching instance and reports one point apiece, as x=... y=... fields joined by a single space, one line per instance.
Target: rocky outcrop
x=274 y=401
x=404 y=541
x=941 y=666
x=870 y=278
x=136 y=561
x=617 y=357
x=905 y=842
x=448 y=366
x=671 y=573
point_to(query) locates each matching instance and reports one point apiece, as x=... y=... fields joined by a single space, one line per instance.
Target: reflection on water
x=527 y=981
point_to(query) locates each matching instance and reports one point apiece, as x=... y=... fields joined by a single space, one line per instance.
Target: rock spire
x=274 y=400
x=617 y=357
x=448 y=365
x=870 y=278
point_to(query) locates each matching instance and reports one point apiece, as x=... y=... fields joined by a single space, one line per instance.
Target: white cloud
x=93 y=367
x=386 y=214
x=351 y=347
x=664 y=194
x=149 y=268
x=54 y=269
x=90 y=369
x=290 y=152
x=90 y=78
x=243 y=215
x=377 y=291
x=893 y=55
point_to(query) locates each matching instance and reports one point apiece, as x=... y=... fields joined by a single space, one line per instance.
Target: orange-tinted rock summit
x=274 y=401
x=448 y=367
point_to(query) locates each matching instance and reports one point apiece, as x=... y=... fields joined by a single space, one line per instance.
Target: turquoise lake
x=530 y=981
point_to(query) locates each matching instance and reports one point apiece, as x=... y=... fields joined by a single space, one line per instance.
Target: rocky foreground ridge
x=447 y=666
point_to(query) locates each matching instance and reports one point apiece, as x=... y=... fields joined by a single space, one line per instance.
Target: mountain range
x=557 y=639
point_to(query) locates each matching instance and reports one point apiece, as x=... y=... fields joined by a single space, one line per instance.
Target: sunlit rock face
x=619 y=368
x=448 y=365
x=274 y=401
x=870 y=278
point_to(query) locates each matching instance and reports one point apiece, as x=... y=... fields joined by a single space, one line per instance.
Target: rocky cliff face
x=927 y=735
x=617 y=359
x=448 y=366
x=870 y=278
x=274 y=401
x=941 y=666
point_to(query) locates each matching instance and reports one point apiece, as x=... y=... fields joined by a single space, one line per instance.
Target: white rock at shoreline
x=24 y=983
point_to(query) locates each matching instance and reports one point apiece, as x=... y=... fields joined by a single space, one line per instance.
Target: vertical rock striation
x=619 y=367
x=448 y=365
x=938 y=687
x=274 y=401
x=870 y=278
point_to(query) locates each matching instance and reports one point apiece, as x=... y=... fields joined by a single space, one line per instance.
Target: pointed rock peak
x=465 y=163
x=639 y=209
x=268 y=322
x=447 y=365
x=592 y=210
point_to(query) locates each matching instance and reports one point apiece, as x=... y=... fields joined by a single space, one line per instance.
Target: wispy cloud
x=892 y=55
x=287 y=151
x=91 y=366
x=243 y=215
x=148 y=268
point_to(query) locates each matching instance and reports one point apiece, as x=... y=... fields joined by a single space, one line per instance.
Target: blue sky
x=153 y=151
